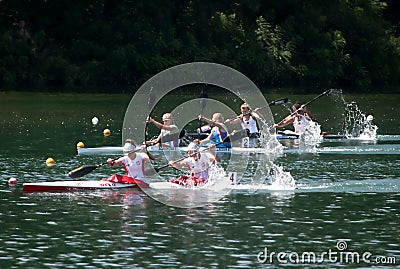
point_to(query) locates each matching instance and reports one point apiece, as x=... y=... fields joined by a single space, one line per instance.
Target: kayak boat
x=227 y=187
x=107 y=150
x=117 y=182
x=113 y=182
x=164 y=150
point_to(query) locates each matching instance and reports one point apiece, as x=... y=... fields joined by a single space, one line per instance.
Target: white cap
x=128 y=147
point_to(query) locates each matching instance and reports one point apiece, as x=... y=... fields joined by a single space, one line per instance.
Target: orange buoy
x=80 y=145
x=106 y=132
x=49 y=161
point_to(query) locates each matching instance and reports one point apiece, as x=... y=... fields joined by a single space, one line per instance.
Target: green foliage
x=117 y=45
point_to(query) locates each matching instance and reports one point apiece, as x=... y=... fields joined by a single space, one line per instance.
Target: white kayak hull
x=230 y=188
x=108 y=150
x=74 y=185
x=70 y=185
x=164 y=150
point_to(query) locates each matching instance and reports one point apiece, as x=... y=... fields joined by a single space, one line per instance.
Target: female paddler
x=248 y=121
x=167 y=127
x=133 y=163
x=198 y=164
x=218 y=131
x=301 y=118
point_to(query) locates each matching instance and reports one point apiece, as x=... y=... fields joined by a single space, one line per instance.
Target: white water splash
x=270 y=143
x=356 y=124
x=217 y=180
x=272 y=175
x=279 y=179
x=215 y=173
x=311 y=138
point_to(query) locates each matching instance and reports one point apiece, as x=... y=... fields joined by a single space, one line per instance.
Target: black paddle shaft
x=309 y=102
x=273 y=103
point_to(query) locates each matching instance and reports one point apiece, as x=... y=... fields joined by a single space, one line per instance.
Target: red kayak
x=113 y=182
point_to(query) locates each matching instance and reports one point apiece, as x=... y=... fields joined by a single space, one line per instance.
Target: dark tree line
x=114 y=46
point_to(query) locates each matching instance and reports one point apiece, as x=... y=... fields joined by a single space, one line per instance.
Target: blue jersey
x=218 y=136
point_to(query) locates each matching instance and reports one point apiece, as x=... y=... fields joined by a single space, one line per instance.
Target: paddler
x=197 y=162
x=301 y=119
x=132 y=161
x=218 y=131
x=167 y=127
x=248 y=121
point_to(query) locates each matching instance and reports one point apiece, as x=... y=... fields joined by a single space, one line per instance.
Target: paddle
x=235 y=135
x=86 y=169
x=150 y=103
x=203 y=102
x=277 y=102
x=317 y=97
x=170 y=137
x=309 y=102
x=273 y=103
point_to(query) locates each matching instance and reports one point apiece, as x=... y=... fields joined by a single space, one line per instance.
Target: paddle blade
x=203 y=100
x=279 y=102
x=81 y=171
x=151 y=100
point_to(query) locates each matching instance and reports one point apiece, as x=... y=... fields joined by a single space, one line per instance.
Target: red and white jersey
x=134 y=168
x=200 y=167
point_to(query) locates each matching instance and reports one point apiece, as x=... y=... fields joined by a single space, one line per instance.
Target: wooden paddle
x=86 y=169
x=309 y=102
x=235 y=135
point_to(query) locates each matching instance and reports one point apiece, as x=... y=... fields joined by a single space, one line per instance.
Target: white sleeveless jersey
x=135 y=168
x=300 y=124
x=250 y=124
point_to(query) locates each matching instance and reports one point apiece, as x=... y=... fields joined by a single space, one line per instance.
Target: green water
x=349 y=194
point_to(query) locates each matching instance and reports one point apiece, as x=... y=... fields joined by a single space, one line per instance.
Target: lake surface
x=346 y=206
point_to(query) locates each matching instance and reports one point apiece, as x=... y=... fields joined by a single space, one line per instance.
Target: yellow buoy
x=49 y=161
x=106 y=132
x=80 y=145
